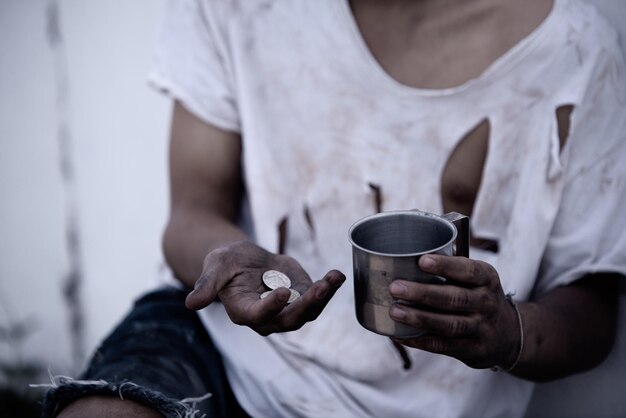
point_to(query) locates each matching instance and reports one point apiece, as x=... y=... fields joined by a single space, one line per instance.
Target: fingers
x=442 y=296
x=203 y=294
x=272 y=314
x=454 y=347
x=251 y=310
x=236 y=276
x=464 y=318
x=214 y=277
x=468 y=350
x=445 y=325
x=312 y=302
x=460 y=269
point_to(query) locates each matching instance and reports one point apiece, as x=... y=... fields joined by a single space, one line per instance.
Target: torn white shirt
x=321 y=121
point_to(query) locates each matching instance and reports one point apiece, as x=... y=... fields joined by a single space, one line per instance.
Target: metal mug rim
x=408 y=212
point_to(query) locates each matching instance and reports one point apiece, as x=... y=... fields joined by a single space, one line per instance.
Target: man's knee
x=107 y=407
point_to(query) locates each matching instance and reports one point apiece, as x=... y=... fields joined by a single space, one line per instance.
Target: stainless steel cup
x=388 y=246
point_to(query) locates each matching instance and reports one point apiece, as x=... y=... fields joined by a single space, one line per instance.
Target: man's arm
x=207 y=251
x=205 y=185
x=570 y=329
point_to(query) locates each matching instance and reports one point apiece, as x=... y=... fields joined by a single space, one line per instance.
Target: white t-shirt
x=321 y=120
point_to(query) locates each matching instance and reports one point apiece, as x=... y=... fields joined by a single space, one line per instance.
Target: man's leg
x=107 y=407
x=160 y=358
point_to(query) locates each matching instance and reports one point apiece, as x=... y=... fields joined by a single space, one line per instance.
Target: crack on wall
x=72 y=283
x=309 y=221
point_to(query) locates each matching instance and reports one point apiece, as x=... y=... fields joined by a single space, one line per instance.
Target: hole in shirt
x=378 y=198
x=563 y=120
x=404 y=355
x=462 y=176
x=282 y=235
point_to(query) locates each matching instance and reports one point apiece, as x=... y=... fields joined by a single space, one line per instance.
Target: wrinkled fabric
x=65 y=390
x=161 y=356
x=321 y=121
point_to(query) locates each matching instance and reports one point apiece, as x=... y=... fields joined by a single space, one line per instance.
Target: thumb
x=203 y=293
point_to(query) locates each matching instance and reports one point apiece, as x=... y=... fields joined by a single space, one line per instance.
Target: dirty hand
x=234 y=273
x=468 y=317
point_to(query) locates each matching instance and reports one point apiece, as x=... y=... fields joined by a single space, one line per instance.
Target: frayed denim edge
x=64 y=390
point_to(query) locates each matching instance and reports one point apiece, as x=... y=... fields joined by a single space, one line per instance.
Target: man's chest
x=444 y=51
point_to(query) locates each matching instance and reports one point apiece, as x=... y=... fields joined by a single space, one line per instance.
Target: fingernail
x=397 y=289
x=398 y=313
x=342 y=279
x=427 y=262
x=321 y=293
x=337 y=280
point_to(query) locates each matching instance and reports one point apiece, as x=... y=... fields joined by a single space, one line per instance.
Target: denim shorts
x=161 y=356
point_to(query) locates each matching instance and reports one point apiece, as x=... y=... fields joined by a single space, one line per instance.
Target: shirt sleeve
x=589 y=233
x=192 y=61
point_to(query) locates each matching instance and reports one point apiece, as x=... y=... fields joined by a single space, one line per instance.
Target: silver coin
x=293 y=296
x=275 y=279
x=265 y=294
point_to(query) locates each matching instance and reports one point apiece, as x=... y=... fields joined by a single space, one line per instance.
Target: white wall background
x=119 y=132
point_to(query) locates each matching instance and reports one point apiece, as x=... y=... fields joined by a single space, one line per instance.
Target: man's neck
x=441 y=43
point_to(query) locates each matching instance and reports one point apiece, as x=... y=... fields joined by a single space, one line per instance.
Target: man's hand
x=234 y=273
x=467 y=318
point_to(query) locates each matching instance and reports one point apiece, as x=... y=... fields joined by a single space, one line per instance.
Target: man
x=326 y=111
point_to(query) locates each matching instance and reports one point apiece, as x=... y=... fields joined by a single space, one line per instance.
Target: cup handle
x=461 y=223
